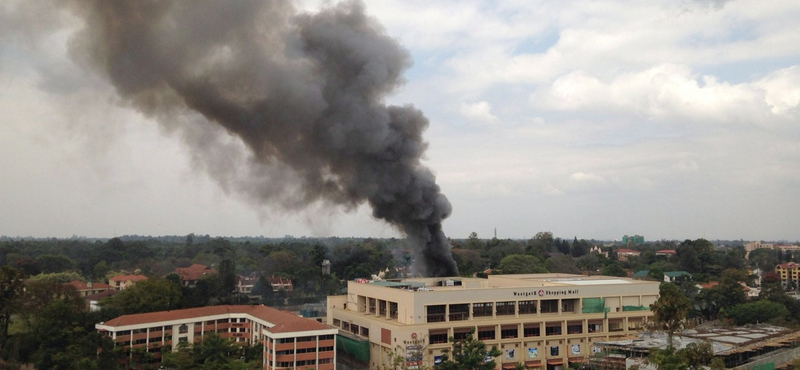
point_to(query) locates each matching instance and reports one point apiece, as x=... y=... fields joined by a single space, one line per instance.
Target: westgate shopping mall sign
x=546 y=293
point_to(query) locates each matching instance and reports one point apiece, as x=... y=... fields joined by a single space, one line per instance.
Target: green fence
x=355 y=348
x=635 y=308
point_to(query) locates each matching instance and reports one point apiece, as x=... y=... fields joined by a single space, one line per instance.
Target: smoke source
x=303 y=92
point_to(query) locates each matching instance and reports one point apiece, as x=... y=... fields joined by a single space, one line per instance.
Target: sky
x=674 y=119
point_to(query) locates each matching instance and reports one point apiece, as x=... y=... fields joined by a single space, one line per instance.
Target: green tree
x=656 y=274
x=213 y=350
x=613 y=269
x=150 y=295
x=11 y=290
x=468 y=354
x=468 y=260
x=760 y=311
x=562 y=263
x=521 y=264
x=730 y=288
x=670 y=309
x=227 y=279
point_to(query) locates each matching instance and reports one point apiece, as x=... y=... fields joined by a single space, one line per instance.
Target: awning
x=509 y=365
x=577 y=359
x=533 y=363
x=555 y=361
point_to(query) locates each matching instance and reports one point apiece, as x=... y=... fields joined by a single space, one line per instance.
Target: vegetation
x=48 y=316
x=670 y=310
x=468 y=354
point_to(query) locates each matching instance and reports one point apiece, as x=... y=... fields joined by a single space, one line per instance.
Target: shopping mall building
x=543 y=321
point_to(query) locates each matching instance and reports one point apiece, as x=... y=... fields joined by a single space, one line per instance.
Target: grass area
x=17 y=326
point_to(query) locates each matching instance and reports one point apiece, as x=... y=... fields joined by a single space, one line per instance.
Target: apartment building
x=790 y=274
x=290 y=341
x=543 y=321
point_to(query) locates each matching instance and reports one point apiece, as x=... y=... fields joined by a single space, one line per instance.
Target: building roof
x=79 y=285
x=128 y=278
x=101 y=295
x=279 y=280
x=677 y=273
x=627 y=251
x=789 y=265
x=666 y=251
x=708 y=285
x=193 y=272
x=282 y=321
x=640 y=274
x=246 y=279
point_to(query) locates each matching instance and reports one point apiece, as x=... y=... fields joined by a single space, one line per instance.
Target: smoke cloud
x=304 y=94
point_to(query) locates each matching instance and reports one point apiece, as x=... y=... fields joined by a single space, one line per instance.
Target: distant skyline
x=589 y=119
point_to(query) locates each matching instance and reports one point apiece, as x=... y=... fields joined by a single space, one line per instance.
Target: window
x=509 y=331
x=461 y=333
x=437 y=336
x=527 y=307
x=435 y=313
x=326 y=337
x=505 y=308
x=552 y=330
x=183 y=329
x=574 y=328
x=554 y=351
x=568 y=305
x=337 y=322
x=531 y=330
x=486 y=333
x=459 y=312
x=155 y=329
x=550 y=306
x=482 y=309
x=364 y=332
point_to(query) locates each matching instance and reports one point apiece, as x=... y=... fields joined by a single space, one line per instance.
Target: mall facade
x=543 y=321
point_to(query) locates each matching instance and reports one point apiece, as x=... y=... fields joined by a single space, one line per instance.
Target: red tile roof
x=789 y=265
x=101 y=295
x=193 y=272
x=79 y=285
x=284 y=321
x=666 y=251
x=128 y=277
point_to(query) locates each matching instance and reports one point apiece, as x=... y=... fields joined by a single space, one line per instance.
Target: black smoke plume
x=303 y=92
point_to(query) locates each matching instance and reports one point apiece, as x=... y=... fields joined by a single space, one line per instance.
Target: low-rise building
x=542 y=321
x=623 y=253
x=245 y=284
x=190 y=275
x=89 y=288
x=280 y=284
x=121 y=282
x=741 y=348
x=290 y=341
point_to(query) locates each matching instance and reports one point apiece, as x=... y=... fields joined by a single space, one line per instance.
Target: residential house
x=85 y=289
x=120 y=282
x=280 y=284
x=190 y=275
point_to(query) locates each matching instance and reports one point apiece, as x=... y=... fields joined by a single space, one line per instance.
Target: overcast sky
x=669 y=119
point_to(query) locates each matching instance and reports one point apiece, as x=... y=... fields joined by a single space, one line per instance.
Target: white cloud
x=479 y=111
x=673 y=92
x=782 y=90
